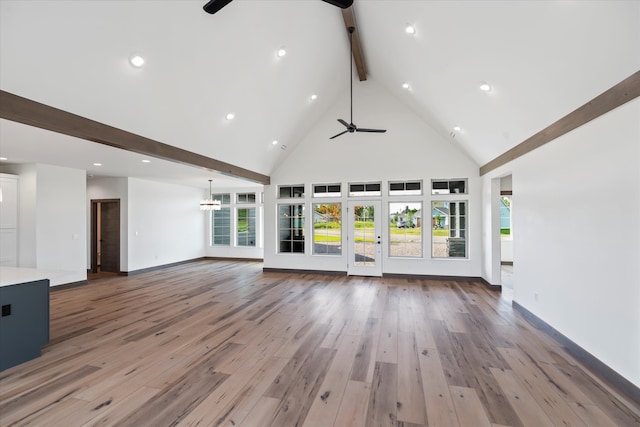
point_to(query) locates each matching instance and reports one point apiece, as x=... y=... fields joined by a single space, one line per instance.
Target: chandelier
x=210 y=204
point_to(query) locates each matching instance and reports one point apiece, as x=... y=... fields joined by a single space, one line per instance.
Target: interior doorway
x=506 y=231
x=105 y=236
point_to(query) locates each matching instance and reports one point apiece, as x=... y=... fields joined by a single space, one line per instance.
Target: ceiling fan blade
x=213 y=6
x=343 y=4
x=344 y=123
x=371 y=130
x=341 y=133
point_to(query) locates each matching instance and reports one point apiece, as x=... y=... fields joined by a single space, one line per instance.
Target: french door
x=364 y=238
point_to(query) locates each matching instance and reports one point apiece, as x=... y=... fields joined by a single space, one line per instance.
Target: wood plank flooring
x=221 y=343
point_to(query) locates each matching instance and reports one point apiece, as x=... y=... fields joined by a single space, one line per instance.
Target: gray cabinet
x=24 y=324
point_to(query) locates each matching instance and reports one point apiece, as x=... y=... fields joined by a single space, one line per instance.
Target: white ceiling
x=543 y=59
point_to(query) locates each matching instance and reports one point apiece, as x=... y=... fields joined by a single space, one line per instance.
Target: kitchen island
x=24 y=324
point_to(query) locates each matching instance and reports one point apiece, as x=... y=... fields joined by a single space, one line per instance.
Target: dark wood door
x=110 y=236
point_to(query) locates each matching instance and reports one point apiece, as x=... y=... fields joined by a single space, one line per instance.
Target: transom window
x=365 y=189
x=225 y=198
x=448 y=186
x=290 y=191
x=405 y=188
x=245 y=198
x=327 y=190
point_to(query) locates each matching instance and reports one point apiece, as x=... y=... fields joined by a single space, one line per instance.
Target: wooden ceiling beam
x=32 y=113
x=350 y=21
x=623 y=92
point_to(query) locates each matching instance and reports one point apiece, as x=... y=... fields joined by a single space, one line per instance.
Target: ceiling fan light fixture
x=350 y=127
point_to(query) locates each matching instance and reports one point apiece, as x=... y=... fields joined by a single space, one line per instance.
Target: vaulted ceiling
x=542 y=59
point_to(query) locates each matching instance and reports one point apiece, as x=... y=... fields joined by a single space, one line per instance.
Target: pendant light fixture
x=210 y=204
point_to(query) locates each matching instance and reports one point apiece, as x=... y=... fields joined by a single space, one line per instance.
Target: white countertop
x=15 y=275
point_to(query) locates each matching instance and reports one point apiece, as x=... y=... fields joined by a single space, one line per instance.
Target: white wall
x=26 y=212
x=61 y=222
x=52 y=220
x=233 y=251
x=165 y=224
x=110 y=188
x=409 y=150
x=578 y=244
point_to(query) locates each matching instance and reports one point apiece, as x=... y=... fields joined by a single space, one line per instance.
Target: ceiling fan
x=213 y=6
x=350 y=126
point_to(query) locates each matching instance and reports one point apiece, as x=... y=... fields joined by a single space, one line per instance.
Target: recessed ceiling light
x=405 y=85
x=230 y=116
x=314 y=97
x=410 y=29
x=281 y=52
x=136 y=60
x=146 y=161
x=97 y=164
x=457 y=128
x=485 y=87
x=275 y=142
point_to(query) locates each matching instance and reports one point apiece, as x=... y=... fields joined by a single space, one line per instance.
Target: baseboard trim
x=591 y=362
x=69 y=285
x=222 y=258
x=491 y=287
x=293 y=270
x=391 y=276
x=160 y=267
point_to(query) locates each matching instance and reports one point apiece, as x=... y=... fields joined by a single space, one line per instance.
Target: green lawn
x=323 y=238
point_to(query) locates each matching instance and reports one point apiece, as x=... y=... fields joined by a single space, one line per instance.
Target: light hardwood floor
x=216 y=343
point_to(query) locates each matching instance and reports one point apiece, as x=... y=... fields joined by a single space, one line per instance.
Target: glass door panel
x=365 y=245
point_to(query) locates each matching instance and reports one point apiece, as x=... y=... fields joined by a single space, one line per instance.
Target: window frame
x=225 y=200
x=367 y=191
x=420 y=244
x=300 y=228
x=313 y=228
x=327 y=193
x=294 y=191
x=464 y=230
x=255 y=225
x=453 y=183
x=404 y=191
